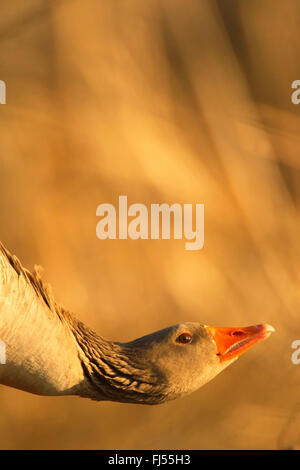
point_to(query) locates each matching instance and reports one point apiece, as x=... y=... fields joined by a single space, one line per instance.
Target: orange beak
x=232 y=342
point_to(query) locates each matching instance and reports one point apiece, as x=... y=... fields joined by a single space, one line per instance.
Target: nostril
x=237 y=333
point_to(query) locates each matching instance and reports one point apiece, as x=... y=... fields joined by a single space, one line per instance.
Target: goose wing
x=42 y=355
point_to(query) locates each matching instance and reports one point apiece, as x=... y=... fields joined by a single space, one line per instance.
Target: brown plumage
x=50 y=352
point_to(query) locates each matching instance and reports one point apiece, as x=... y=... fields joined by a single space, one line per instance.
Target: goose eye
x=184 y=338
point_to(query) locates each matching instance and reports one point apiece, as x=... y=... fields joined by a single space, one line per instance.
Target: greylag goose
x=49 y=352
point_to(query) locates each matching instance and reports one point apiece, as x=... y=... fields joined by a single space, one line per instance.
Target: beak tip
x=268 y=328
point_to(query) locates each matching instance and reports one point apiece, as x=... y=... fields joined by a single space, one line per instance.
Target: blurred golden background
x=163 y=101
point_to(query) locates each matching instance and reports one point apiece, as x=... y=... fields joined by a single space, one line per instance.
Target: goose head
x=176 y=361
